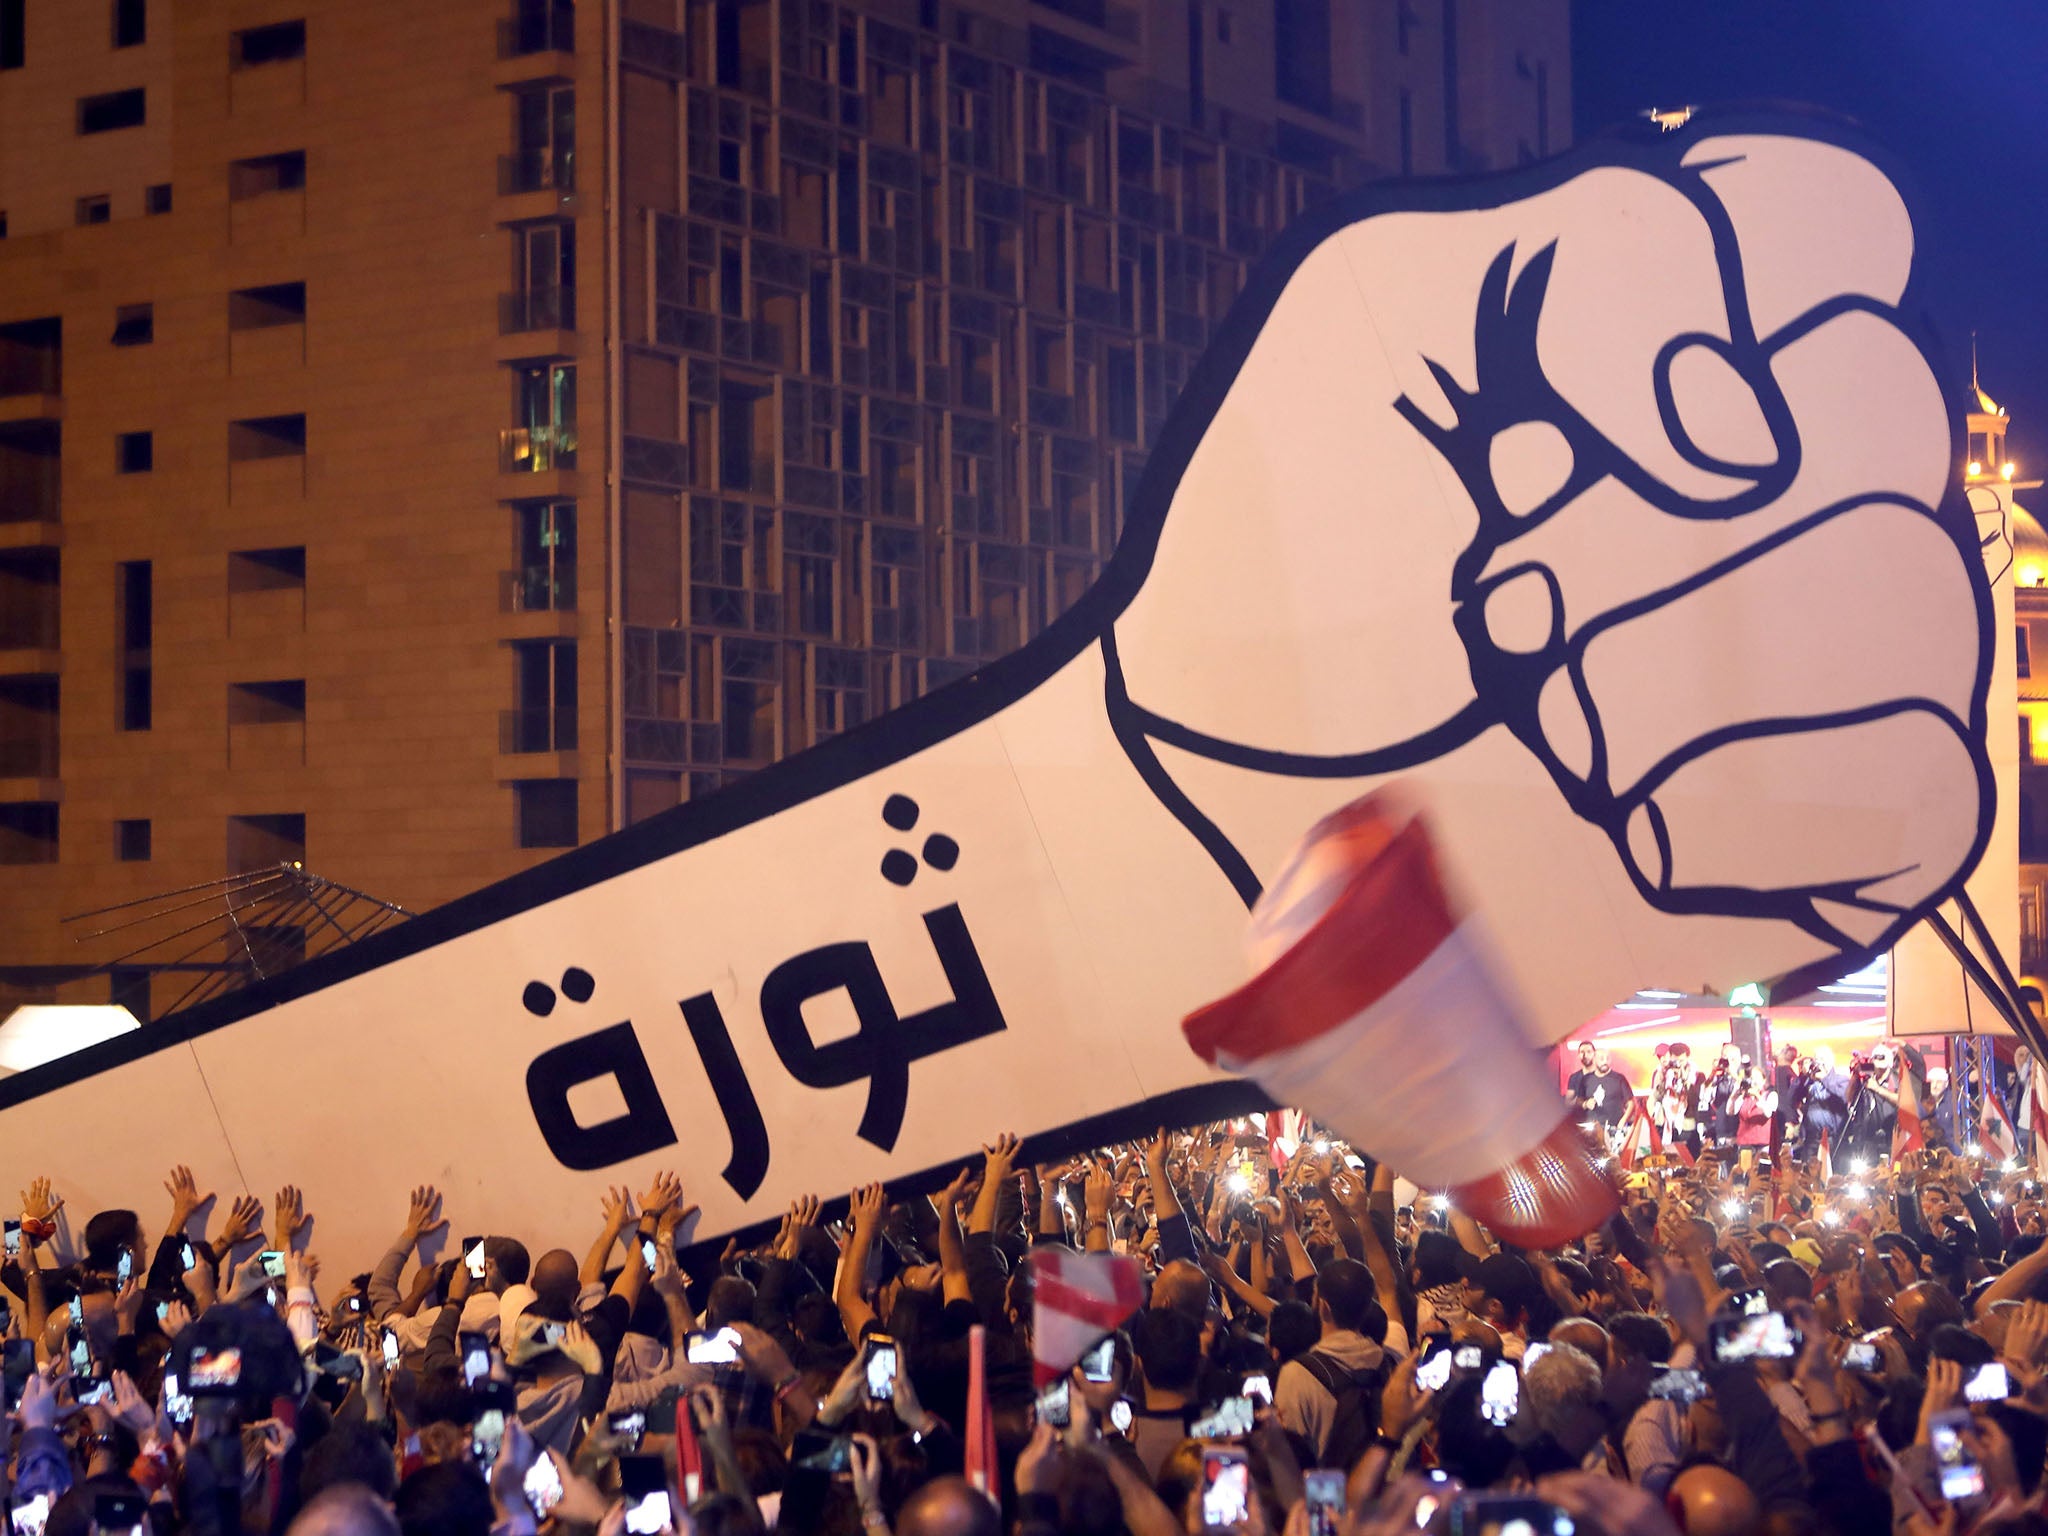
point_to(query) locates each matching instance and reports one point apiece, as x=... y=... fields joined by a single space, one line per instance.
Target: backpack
x=1355 y=1424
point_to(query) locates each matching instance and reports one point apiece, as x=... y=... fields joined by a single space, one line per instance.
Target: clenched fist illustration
x=1629 y=497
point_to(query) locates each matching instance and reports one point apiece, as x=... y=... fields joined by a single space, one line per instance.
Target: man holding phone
x=505 y=1263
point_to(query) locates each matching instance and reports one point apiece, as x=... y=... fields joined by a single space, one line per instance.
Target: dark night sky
x=1955 y=87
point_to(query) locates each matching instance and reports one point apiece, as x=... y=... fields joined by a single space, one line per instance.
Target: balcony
x=31 y=370
x=523 y=731
x=536 y=450
x=29 y=757
x=537 y=322
x=546 y=176
x=541 y=588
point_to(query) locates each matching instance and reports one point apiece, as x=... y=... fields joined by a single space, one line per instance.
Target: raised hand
x=245 y=1220
x=1000 y=1155
x=131 y=1410
x=289 y=1211
x=128 y=1304
x=185 y=1198
x=615 y=1205
x=424 y=1214
x=865 y=1206
x=38 y=1204
x=177 y=1318
x=665 y=1191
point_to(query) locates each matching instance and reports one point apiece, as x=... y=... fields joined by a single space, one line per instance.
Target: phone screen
x=720 y=1348
x=1757 y=1336
x=29 y=1516
x=630 y=1428
x=647 y=1253
x=476 y=1358
x=185 y=1255
x=1259 y=1388
x=1226 y=1489
x=117 y=1514
x=1961 y=1477
x=390 y=1348
x=1120 y=1416
x=13 y=1239
x=543 y=1486
x=1099 y=1363
x=474 y=1258
x=1434 y=1374
x=649 y=1515
x=217 y=1370
x=1860 y=1356
x=1988 y=1385
x=87 y=1390
x=1055 y=1404
x=1230 y=1419
x=78 y=1311
x=177 y=1402
x=1677 y=1384
x=124 y=1267
x=489 y=1435
x=1500 y=1394
x=272 y=1260
x=881 y=1372
x=1323 y=1491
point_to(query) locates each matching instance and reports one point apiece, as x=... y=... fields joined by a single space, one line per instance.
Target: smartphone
x=628 y=1428
x=1961 y=1477
x=214 y=1373
x=661 y=1416
x=476 y=1358
x=29 y=1516
x=1258 y=1386
x=817 y=1451
x=1500 y=1394
x=1532 y=1353
x=705 y=1347
x=118 y=1514
x=353 y=1305
x=1099 y=1363
x=1861 y=1356
x=1434 y=1374
x=1767 y=1336
x=1226 y=1488
x=19 y=1364
x=648 y=1251
x=272 y=1260
x=1230 y=1419
x=1988 y=1385
x=643 y=1482
x=87 y=1390
x=1677 y=1384
x=177 y=1402
x=1055 y=1405
x=124 y=1269
x=488 y=1435
x=881 y=1351
x=543 y=1486
x=1507 y=1514
x=13 y=1228
x=185 y=1257
x=1323 y=1491
x=77 y=1311
x=1751 y=1301
x=473 y=1256
x=1120 y=1416
x=391 y=1349
x=81 y=1352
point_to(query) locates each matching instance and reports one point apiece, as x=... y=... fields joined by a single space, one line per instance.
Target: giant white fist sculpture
x=1610 y=505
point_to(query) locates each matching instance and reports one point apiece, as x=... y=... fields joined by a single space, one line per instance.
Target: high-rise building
x=432 y=435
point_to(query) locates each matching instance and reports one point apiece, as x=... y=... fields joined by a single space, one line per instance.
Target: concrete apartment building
x=434 y=435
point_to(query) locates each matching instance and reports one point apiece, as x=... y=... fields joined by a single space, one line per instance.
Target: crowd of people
x=1750 y=1345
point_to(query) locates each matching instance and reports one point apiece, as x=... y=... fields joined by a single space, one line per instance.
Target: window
x=266 y=437
x=544 y=140
x=13 y=34
x=264 y=842
x=278 y=701
x=547 y=555
x=547 y=812
x=157 y=199
x=267 y=570
x=116 y=109
x=264 y=174
x=131 y=23
x=2023 y=651
x=131 y=841
x=253 y=309
x=28 y=833
x=134 y=453
x=3 y=223
x=97 y=209
x=134 y=325
x=545 y=719
x=273 y=44
x=137 y=636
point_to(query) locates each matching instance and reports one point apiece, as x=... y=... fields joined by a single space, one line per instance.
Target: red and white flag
x=978 y=1455
x=1076 y=1298
x=1906 y=1135
x=1640 y=1137
x=2037 y=1116
x=1374 y=1010
x=1994 y=1129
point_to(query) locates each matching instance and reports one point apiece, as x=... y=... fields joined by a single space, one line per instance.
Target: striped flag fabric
x=1373 y=1009
x=1906 y=1134
x=1994 y=1129
x=979 y=1453
x=1076 y=1298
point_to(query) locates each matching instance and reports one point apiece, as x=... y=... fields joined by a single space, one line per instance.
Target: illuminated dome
x=2029 y=549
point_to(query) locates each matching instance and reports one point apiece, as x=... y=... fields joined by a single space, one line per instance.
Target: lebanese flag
x=1373 y=1009
x=1827 y=1158
x=1995 y=1131
x=1641 y=1130
x=979 y=1454
x=1906 y=1135
x=1076 y=1298
x=689 y=1455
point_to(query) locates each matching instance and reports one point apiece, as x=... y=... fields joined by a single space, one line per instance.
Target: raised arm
x=616 y=1206
x=952 y=1252
x=1298 y=1261
x=865 y=1219
x=997 y=1161
x=422 y=1216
